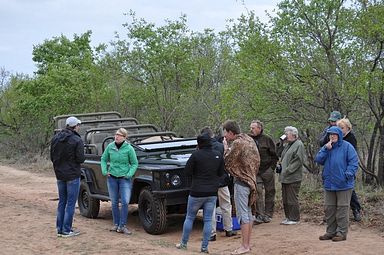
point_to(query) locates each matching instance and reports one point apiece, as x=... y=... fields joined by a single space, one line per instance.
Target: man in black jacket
x=67 y=153
x=264 y=207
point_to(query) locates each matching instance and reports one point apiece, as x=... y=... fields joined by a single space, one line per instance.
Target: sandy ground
x=27 y=216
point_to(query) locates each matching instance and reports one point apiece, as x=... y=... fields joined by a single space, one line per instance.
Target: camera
x=278 y=168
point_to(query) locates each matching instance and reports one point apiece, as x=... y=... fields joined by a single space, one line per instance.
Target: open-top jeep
x=160 y=186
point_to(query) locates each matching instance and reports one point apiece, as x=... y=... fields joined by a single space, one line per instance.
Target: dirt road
x=27 y=216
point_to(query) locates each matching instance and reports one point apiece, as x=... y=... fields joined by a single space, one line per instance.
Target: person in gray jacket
x=292 y=163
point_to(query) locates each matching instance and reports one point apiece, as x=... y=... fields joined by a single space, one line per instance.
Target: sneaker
x=114 y=228
x=284 y=222
x=339 y=237
x=258 y=220
x=124 y=230
x=230 y=233
x=212 y=238
x=291 y=222
x=326 y=236
x=71 y=234
x=267 y=219
x=181 y=246
x=204 y=250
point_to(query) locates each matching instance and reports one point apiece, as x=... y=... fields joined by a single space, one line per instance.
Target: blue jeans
x=68 y=193
x=194 y=204
x=119 y=188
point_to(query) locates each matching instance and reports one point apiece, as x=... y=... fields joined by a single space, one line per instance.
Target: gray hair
x=293 y=130
x=259 y=123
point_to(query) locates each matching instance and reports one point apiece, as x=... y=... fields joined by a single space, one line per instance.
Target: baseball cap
x=334 y=116
x=72 y=121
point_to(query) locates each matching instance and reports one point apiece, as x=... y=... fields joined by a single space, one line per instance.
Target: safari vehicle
x=160 y=186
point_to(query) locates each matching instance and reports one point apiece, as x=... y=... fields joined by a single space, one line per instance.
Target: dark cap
x=334 y=116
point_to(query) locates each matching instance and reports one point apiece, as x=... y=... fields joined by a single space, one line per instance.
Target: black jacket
x=350 y=137
x=67 y=153
x=205 y=166
x=267 y=151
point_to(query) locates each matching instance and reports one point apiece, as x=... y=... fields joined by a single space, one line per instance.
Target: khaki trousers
x=290 y=195
x=224 y=198
x=265 y=202
x=336 y=209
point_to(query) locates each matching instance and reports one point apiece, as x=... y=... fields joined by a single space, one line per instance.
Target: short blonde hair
x=344 y=122
x=123 y=132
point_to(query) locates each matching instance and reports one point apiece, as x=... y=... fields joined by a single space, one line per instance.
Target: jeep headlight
x=176 y=180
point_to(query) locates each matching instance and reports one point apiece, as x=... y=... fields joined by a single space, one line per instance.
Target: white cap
x=72 y=121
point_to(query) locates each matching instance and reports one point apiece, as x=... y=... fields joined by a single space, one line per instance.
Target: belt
x=114 y=177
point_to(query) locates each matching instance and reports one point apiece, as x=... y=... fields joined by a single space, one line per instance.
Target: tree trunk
x=380 y=169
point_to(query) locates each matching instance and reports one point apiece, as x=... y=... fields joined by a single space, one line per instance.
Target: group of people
x=246 y=161
x=250 y=159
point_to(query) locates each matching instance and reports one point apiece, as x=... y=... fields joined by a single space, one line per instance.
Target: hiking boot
x=212 y=238
x=230 y=233
x=114 y=228
x=181 y=246
x=339 y=237
x=258 y=220
x=204 y=250
x=124 y=230
x=326 y=236
x=356 y=215
x=71 y=234
x=267 y=219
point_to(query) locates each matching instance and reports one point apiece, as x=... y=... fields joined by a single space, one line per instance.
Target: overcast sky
x=24 y=23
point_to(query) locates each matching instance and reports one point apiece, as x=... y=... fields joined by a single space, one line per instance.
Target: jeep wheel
x=89 y=206
x=152 y=213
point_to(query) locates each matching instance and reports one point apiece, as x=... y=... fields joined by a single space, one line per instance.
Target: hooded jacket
x=340 y=163
x=67 y=153
x=205 y=166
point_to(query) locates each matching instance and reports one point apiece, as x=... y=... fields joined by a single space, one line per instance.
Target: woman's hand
x=329 y=145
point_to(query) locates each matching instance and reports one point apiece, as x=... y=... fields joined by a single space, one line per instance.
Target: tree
x=370 y=36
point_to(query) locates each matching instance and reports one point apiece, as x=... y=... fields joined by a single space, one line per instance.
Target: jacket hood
x=336 y=130
x=64 y=135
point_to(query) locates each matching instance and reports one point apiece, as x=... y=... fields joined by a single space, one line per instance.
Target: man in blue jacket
x=340 y=166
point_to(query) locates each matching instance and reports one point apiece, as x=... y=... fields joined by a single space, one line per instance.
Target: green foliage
x=312 y=57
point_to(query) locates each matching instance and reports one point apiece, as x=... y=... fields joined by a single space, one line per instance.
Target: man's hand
x=225 y=144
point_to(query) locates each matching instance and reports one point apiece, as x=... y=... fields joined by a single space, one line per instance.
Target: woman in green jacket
x=122 y=166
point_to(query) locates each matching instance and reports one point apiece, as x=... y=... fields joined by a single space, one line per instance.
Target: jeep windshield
x=167 y=145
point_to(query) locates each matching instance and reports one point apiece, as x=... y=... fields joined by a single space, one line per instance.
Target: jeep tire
x=152 y=212
x=89 y=206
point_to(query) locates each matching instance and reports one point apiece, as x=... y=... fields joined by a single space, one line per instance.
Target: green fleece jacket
x=122 y=162
x=292 y=162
